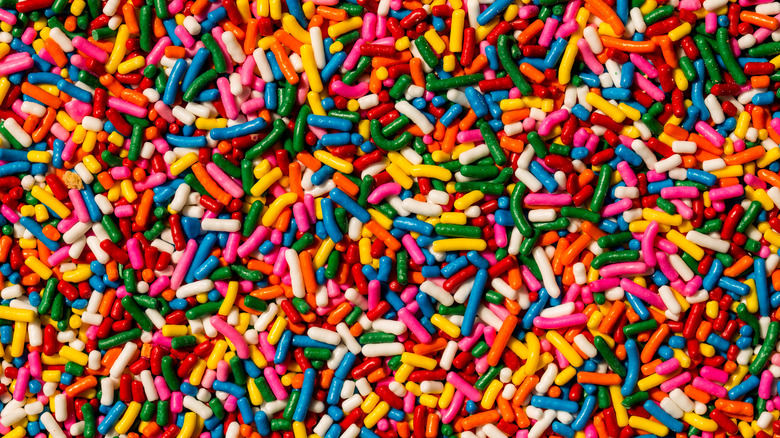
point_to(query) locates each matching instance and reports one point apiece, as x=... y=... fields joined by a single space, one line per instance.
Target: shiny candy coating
x=383 y=219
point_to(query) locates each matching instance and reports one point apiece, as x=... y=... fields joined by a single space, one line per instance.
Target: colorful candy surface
x=389 y=219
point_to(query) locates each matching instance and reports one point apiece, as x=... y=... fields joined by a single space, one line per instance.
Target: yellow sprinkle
x=689 y=247
x=188 y=427
x=652 y=381
x=370 y=402
x=607 y=108
x=184 y=163
x=399 y=175
x=74 y=355
x=459 y=244
x=468 y=199
x=17 y=432
x=338 y=29
x=565 y=375
x=680 y=31
x=445 y=325
x=38 y=267
x=14 y=314
x=230 y=298
x=220 y=347
x=171 y=330
x=431 y=171
x=277 y=329
x=403 y=372
x=564 y=347
x=428 y=400
x=50 y=201
x=330 y=160
x=648 y=425
x=131 y=65
x=437 y=44
x=418 y=361
x=82 y=273
x=17 y=341
x=445 y=398
x=39 y=157
x=299 y=429
x=700 y=422
x=491 y=393
x=456 y=30
x=276 y=207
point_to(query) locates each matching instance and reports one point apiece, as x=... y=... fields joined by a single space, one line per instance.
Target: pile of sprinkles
x=389 y=218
